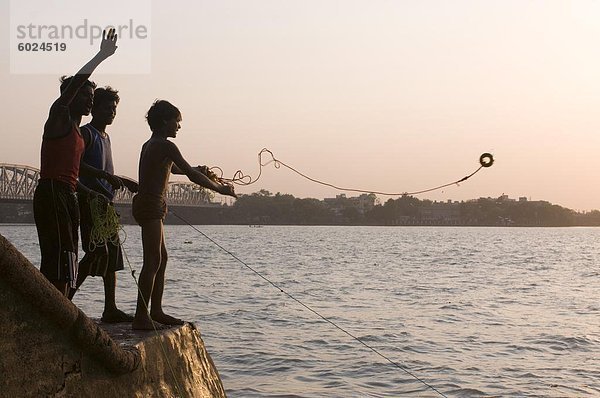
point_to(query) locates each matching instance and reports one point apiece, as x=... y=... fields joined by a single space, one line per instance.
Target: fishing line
x=403 y=368
x=239 y=178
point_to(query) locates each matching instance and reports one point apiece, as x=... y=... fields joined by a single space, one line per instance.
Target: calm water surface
x=472 y=311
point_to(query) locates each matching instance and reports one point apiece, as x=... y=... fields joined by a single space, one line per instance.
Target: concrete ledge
x=50 y=348
x=20 y=276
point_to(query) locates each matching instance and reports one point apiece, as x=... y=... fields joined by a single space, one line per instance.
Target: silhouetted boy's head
x=84 y=99
x=106 y=100
x=163 y=118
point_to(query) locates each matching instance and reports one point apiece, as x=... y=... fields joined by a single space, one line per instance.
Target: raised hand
x=109 y=43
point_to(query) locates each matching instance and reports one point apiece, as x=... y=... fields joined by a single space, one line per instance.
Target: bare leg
x=152 y=241
x=110 y=285
x=111 y=313
x=82 y=274
x=159 y=286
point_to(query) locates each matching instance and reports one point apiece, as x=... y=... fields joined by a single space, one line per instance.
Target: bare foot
x=167 y=319
x=115 y=316
x=147 y=324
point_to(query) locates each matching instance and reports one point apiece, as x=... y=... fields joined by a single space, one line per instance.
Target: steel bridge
x=18 y=183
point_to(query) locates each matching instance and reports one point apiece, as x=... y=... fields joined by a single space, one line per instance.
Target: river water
x=507 y=312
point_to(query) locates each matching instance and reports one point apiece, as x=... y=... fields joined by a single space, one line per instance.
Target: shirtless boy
x=158 y=159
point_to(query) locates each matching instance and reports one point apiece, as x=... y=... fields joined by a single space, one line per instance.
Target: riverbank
x=532 y=214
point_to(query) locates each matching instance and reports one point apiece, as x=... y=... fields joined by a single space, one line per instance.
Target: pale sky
x=372 y=94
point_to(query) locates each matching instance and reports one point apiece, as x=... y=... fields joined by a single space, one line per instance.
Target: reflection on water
x=472 y=311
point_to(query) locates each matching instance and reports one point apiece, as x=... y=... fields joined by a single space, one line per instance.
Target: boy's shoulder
x=158 y=145
x=59 y=118
x=155 y=142
x=159 y=141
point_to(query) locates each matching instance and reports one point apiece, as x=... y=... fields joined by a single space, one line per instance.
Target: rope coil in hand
x=105 y=223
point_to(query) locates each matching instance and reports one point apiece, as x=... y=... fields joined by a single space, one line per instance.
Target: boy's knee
x=152 y=265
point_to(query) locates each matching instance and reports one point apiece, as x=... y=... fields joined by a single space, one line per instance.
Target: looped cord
x=239 y=178
x=105 y=224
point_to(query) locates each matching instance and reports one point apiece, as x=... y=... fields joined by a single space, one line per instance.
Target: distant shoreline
x=264 y=208
x=16 y=224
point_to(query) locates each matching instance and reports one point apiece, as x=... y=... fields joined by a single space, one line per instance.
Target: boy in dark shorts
x=158 y=159
x=55 y=203
x=105 y=259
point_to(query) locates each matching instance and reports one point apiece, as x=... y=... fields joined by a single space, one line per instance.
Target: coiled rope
x=289 y=295
x=239 y=178
x=105 y=223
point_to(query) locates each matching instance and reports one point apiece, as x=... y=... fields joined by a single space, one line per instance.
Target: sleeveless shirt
x=97 y=154
x=60 y=157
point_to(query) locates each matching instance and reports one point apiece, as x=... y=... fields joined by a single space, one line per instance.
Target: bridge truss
x=18 y=182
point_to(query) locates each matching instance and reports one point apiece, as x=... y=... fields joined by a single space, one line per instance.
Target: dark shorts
x=56 y=217
x=146 y=207
x=98 y=260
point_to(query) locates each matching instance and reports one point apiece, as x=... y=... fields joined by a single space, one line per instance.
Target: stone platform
x=50 y=348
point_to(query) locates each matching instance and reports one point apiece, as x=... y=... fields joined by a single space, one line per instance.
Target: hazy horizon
x=378 y=95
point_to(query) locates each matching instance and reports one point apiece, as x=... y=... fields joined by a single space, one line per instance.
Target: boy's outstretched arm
x=183 y=167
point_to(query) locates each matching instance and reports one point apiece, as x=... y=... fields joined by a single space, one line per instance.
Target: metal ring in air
x=486 y=160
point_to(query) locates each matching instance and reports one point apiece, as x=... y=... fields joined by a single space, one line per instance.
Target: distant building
x=505 y=198
x=335 y=204
x=441 y=213
x=362 y=203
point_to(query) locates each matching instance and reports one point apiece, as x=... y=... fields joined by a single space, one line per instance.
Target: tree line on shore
x=264 y=207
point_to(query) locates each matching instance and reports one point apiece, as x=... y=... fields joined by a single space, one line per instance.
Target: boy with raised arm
x=54 y=203
x=158 y=159
x=105 y=259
